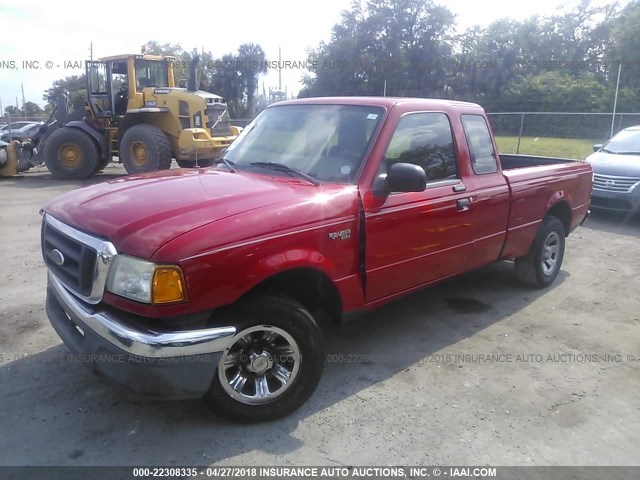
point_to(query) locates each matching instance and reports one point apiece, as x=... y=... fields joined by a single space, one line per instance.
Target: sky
x=57 y=35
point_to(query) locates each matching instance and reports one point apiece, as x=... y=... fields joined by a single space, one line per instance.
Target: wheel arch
x=310 y=286
x=562 y=211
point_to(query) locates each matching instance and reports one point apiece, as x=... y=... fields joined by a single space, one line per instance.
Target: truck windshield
x=326 y=142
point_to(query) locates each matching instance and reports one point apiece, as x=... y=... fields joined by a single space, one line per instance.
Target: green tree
x=556 y=91
x=400 y=43
x=625 y=47
x=32 y=110
x=251 y=60
x=13 y=111
x=226 y=81
x=74 y=86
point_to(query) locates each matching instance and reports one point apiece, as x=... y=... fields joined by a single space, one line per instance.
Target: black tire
x=272 y=314
x=71 y=153
x=540 y=267
x=192 y=164
x=145 y=148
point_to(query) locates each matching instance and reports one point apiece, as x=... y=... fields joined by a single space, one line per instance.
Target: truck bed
x=535 y=184
x=513 y=161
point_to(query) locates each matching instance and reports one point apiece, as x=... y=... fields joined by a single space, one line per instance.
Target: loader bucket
x=9 y=159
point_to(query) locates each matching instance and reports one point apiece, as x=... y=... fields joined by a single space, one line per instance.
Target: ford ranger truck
x=211 y=282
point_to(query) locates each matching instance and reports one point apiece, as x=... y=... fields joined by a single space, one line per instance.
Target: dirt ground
x=479 y=370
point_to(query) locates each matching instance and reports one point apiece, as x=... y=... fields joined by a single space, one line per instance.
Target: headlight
x=145 y=281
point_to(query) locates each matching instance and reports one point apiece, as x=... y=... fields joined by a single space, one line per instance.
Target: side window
x=424 y=139
x=483 y=156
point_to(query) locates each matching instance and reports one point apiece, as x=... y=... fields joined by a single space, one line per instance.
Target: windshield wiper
x=228 y=163
x=285 y=168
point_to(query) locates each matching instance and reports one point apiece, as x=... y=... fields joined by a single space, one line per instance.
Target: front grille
x=218 y=121
x=79 y=266
x=611 y=183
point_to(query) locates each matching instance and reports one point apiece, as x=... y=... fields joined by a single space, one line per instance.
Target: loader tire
x=71 y=153
x=145 y=148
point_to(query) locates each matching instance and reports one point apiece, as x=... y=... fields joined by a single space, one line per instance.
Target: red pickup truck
x=210 y=282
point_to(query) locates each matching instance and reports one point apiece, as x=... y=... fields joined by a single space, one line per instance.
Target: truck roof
x=387 y=102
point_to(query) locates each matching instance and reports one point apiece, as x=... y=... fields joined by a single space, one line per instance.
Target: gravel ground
x=478 y=370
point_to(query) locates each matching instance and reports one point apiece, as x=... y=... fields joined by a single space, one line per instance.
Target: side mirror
x=597 y=147
x=406 y=177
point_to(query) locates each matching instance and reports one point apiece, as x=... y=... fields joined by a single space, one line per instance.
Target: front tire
x=540 y=267
x=145 y=148
x=273 y=363
x=71 y=153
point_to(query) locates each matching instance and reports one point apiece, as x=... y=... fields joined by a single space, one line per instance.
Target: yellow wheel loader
x=134 y=114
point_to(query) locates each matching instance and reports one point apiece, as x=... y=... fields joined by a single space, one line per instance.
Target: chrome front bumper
x=160 y=363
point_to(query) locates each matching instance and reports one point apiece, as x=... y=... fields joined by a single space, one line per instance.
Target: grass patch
x=548 y=147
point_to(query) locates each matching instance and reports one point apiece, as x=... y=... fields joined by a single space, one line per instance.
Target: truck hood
x=140 y=213
x=621 y=165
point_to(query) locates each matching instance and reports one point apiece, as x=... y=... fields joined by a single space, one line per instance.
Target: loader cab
x=152 y=73
x=98 y=89
x=116 y=84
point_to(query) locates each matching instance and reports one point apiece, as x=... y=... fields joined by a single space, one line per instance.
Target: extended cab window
x=424 y=139
x=483 y=156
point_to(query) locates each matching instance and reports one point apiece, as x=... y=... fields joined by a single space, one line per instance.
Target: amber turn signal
x=168 y=285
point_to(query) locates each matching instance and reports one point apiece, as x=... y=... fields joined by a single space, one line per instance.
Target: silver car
x=616 y=172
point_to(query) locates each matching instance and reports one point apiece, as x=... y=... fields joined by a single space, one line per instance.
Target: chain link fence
x=556 y=134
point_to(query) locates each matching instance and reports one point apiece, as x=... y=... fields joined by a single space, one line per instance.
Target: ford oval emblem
x=57 y=257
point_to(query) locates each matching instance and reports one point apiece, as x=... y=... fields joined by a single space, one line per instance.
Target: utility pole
x=91 y=51
x=22 y=88
x=279 y=69
x=615 y=100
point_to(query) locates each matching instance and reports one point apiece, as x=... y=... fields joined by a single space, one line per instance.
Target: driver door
x=416 y=238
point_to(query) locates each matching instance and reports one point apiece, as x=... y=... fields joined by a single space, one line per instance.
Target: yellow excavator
x=134 y=114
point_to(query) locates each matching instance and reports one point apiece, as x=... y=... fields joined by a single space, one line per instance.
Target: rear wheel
x=540 y=267
x=273 y=363
x=145 y=148
x=71 y=153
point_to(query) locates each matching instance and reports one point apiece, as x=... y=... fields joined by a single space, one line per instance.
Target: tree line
x=564 y=62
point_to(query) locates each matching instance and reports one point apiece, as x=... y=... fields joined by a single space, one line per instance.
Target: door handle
x=463 y=204
x=459 y=188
